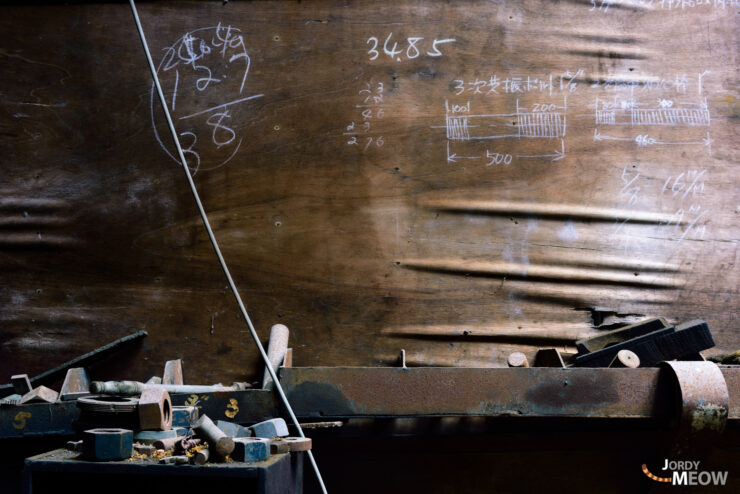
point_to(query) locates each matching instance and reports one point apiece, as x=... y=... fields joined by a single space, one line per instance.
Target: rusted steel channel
x=345 y=392
x=325 y=393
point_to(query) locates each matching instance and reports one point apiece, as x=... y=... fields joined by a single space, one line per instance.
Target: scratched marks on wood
x=554 y=156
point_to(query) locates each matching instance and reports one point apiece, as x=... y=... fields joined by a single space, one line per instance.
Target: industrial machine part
x=169 y=442
x=200 y=457
x=704 y=404
x=21 y=384
x=76 y=384
x=75 y=446
x=220 y=443
x=133 y=388
x=294 y=443
x=39 y=395
x=145 y=449
x=184 y=416
x=249 y=449
x=107 y=404
x=174 y=460
x=155 y=410
x=173 y=372
x=270 y=428
x=276 y=349
x=149 y=437
x=107 y=444
x=232 y=429
x=108 y=411
x=186 y=443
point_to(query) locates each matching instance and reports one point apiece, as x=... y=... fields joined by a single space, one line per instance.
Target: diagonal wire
x=214 y=243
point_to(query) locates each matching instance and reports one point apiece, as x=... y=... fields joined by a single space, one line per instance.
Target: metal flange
x=703 y=400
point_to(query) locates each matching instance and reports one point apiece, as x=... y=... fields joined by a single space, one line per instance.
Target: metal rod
x=214 y=243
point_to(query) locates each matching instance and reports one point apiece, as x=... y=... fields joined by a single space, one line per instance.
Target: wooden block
x=40 y=395
x=620 y=335
x=665 y=344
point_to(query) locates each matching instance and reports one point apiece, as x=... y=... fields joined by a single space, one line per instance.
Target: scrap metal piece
x=249 y=449
x=40 y=395
x=154 y=380
x=21 y=384
x=133 y=388
x=200 y=457
x=620 y=335
x=232 y=429
x=107 y=444
x=74 y=446
x=220 y=443
x=149 y=437
x=270 y=428
x=145 y=449
x=517 y=359
x=185 y=443
x=322 y=425
x=14 y=399
x=291 y=443
x=53 y=375
x=155 y=410
x=168 y=442
x=173 y=372
x=107 y=404
x=276 y=349
x=184 y=416
x=278 y=447
x=625 y=358
x=704 y=404
x=174 y=460
x=548 y=357
x=76 y=384
x=402 y=358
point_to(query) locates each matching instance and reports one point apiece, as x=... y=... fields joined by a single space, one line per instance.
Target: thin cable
x=214 y=243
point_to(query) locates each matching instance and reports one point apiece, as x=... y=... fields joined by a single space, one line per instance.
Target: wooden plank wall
x=459 y=179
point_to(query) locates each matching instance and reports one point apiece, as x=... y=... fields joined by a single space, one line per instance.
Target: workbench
x=45 y=473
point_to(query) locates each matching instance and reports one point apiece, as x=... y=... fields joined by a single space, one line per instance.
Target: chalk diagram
x=203 y=76
x=541 y=121
x=666 y=114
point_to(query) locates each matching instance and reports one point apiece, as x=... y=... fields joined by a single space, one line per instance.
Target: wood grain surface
x=559 y=169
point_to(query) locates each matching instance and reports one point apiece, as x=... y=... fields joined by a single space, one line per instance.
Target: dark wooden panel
x=423 y=242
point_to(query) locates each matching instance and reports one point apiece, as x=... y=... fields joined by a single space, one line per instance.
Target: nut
x=107 y=444
x=155 y=410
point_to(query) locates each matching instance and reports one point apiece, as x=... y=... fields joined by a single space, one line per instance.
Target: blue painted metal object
x=184 y=416
x=232 y=429
x=107 y=444
x=270 y=428
x=250 y=449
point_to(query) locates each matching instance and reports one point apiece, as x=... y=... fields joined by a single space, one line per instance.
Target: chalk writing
x=370 y=110
x=686 y=188
x=409 y=49
x=204 y=64
x=544 y=121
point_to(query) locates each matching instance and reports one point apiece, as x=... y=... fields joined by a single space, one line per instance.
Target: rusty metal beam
x=346 y=392
x=326 y=393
